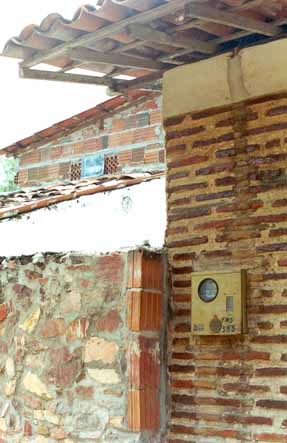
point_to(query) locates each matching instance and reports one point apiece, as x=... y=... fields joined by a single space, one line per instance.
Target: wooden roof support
x=240 y=34
x=123 y=86
x=146 y=33
x=146 y=82
x=243 y=7
x=125 y=61
x=235 y=20
x=106 y=32
x=36 y=74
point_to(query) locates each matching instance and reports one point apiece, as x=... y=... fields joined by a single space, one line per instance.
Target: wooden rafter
x=122 y=60
x=146 y=33
x=145 y=82
x=128 y=47
x=37 y=74
x=106 y=32
x=214 y=15
x=240 y=34
x=240 y=8
x=167 y=41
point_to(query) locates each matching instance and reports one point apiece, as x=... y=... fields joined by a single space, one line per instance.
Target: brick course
x=226 y=190
x=134 y=135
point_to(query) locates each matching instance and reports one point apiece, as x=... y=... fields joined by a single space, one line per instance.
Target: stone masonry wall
x=227 y=204
x=130 y=140
x=69 y=354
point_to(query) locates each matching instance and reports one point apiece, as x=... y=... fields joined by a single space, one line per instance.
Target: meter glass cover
x=208 y=290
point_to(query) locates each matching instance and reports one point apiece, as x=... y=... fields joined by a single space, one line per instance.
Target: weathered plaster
x=102 y=222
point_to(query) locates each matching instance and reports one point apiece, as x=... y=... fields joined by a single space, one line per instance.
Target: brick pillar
x=226 y=189
x=144 y=318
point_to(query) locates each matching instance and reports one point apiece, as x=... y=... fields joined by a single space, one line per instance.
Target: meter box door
x=218 y=303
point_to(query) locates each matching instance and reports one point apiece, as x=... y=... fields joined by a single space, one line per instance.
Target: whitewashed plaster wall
x=103 y=222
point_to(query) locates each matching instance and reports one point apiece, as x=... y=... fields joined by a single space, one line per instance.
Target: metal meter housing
x=218 y=303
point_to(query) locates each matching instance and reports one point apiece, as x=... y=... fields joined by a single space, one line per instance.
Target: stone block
x=52 y=328
x=43 y=415
x=31 y=321
x=104 y=376
x=109 y=322
x=99 y=349
x=77 y=329
x=10 y=367
x=3 y=312
x=32 y=383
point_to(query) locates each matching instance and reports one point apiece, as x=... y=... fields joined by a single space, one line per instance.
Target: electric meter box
x=218 y=303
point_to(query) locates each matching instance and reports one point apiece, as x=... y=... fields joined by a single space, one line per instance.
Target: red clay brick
x=144 y=311
x=143 y=410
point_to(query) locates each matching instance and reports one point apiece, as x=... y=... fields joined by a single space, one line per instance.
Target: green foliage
x=8 y=170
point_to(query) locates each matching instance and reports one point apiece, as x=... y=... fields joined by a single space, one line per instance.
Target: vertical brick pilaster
x=144 y=316
x=226 y=190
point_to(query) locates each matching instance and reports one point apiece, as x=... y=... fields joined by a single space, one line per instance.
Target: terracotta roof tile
x=56 y=30
x=19 y=202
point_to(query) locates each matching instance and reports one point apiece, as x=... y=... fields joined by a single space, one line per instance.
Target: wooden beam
x=106 y=32
x=243 y=7
x=240 y=34
x=149 y=34
x=125 y=61
x=128 y=47
x=72 y=65
x=235 y=20
x=145 y=83
x=36 y=74
x=170 y=58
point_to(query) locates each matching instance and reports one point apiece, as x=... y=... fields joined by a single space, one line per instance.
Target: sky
x=27 y=106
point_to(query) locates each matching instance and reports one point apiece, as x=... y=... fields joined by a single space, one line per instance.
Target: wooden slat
x=106 y=32
x=126 y=61
x=128 y=47
x=244 y=7
x=231 y=19
x=72 y=65
x=146 y=83
x=149 y=34
x=115 y=85
x=170 y=58
x=36 y=74
x=240 y=34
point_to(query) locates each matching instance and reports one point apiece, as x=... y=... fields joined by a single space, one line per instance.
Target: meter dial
x=208 y=290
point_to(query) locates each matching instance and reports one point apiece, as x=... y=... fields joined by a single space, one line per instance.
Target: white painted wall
x=103 y=222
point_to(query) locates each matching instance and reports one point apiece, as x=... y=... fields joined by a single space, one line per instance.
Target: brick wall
x=227 y=210
x=72 y=367
x=131 y=140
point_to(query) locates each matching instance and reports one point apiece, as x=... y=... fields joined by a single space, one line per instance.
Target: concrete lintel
x=226 y=79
